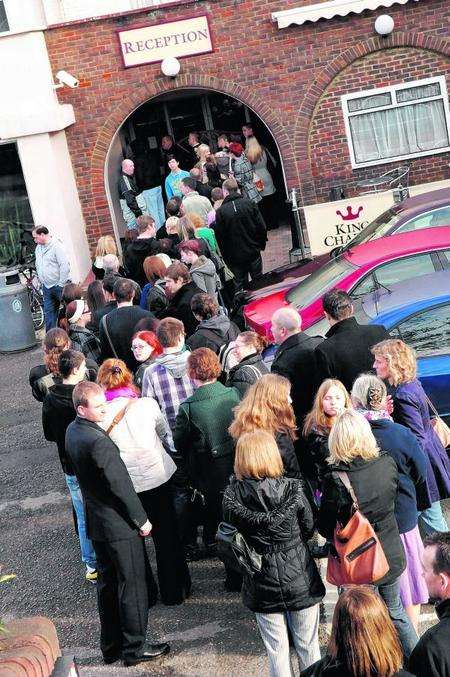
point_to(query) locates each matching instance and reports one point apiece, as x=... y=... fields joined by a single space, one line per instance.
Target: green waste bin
x=16 y=323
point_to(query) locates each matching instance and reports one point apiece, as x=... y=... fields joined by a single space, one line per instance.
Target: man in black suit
x=117 y=524
x=295 y=359
x=116 y=329
x=345 y=353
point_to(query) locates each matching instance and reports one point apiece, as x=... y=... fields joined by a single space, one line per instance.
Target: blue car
x=418 y=312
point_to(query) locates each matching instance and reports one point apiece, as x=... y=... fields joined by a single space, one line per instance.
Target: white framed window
x=4 y=25
x=397 y=122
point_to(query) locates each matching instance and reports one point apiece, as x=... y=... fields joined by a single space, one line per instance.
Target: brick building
x=295 y=68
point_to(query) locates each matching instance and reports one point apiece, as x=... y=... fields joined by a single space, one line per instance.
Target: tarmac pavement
x=211 y=634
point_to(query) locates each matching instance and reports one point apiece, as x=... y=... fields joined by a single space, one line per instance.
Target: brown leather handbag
x=357 y=555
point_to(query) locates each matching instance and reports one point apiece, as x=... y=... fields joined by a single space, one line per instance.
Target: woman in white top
x=258 y=159
x=139 y=429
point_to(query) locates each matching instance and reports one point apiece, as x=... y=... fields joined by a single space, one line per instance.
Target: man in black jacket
x=241 y=234
x=117 y=327
x=346 y=351
x=57 y=413
x=431 y=655
x=132 y=201
x=116 y=523
x=137 y=251
x=180 y=289
x=295 y=359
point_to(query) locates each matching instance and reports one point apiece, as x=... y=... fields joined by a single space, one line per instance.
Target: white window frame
x=3 y=2
x=392 y=91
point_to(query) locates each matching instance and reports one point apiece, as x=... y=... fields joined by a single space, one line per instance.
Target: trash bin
x=16 y=323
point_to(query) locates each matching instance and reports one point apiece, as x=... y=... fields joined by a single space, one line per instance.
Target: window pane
x=399 y=131
x=404 y=269
x=447 y=254
x=366 y=102
x=14 y=204
x=365 y=287
x=428 y=332
x=437 y=217
x=4 y=26
x=414 y=93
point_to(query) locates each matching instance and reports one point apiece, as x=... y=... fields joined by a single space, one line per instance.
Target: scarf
x=372 y=415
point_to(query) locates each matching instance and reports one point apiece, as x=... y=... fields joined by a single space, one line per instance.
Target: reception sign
x=149 y=44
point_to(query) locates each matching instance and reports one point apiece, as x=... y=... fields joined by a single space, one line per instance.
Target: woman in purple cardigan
x=395 y=362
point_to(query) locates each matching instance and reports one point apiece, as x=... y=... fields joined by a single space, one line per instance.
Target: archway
x=177 y=112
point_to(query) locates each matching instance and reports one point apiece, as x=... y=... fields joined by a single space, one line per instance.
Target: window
x=395 y=271
x=393 y=123
x=319 y=282
x=427 y=332
x=4 y=25
x=446 y=255
x=436 y=217
x=14 y=204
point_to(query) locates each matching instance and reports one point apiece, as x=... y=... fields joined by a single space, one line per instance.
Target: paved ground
x=211 y=634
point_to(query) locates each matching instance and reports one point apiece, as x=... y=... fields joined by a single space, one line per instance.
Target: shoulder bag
x=118 y=417
x=439 y=426
x=356 y=555
x=235 y=552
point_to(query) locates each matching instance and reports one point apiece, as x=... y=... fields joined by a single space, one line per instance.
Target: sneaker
x=91 y=575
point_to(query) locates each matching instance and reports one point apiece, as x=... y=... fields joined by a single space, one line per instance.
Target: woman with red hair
x=145 y=347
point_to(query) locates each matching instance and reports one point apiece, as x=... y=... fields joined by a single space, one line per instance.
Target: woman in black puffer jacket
x=249 y=365
x=275 y=518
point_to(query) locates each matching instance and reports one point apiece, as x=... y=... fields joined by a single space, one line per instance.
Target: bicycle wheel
x=37 y=308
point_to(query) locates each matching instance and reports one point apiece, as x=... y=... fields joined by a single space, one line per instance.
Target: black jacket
x=128 y=189
x=327 y=667
x=180 y=307
x=98 y=314
x=295 y=360
x=113 y=509
x=41 y=381
x=57 y=412
x=275 y=518
x=313 y=456
x=240 y=230
x=287 y=452
x=120 y=324
x=375 y=484
x=431 y=655
x=213 y=333
x=134 y=256
x=345 y=353
x=246 y=373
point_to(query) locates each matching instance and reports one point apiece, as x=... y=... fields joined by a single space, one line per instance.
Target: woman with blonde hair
x=106 y=245
x=202 y=152
x=369 y=397
x=246 y=358
x=274 y=516
x=374 y=479
x=258 y=158
x=363 y=640
x=140 y=431
x=266 y=406
x=331 y=400
x=395 y=362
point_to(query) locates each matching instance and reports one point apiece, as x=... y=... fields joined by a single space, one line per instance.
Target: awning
x=327 y=10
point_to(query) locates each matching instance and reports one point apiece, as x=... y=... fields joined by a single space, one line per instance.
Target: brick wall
x=280 y=74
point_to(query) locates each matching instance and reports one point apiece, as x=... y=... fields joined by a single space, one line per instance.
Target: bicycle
x=27 y=273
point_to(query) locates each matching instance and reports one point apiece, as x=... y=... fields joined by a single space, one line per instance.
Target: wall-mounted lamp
x=384 y=25
x=170 y=67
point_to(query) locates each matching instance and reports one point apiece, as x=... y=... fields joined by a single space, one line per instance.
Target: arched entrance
x=178 y=112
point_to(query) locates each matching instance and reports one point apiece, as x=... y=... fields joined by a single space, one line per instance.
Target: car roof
x=416 y=204
x=390 y=246
x=433 y=287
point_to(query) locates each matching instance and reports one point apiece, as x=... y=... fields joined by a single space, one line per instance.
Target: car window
x=431 y=219
x=428 y=332
x=319 y=282
x=396 y=271
x=366 y=286
x=446 y=253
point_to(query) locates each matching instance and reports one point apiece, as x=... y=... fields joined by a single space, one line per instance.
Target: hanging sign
x=149 y=44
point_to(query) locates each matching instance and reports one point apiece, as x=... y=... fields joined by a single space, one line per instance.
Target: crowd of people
x=170 y=421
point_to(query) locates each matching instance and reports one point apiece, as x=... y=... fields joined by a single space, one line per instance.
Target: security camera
x=65 y=78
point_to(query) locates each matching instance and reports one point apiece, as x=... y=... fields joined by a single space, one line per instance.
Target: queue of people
x=169 y=423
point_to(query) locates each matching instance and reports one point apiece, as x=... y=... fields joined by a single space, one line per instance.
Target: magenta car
x=376 y=264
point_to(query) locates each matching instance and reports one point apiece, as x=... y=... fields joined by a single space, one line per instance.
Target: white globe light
x=170 y=66
x=384 y=24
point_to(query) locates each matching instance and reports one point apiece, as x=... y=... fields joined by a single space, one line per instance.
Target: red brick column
x=30 y=648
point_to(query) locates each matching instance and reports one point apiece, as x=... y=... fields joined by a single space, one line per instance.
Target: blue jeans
x=52 y=300
x=155 y=205
x=390 y=593
x=304 y=627
x=86 y=547
x=432 y=519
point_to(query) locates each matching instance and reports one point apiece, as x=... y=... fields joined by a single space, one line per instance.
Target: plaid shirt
x=85 y=341
x=243 y=173
x=169 y=391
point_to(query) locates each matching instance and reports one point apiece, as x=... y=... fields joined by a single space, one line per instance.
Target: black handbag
x=235 y=552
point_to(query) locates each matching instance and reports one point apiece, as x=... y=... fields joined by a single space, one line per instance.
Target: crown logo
x=350 y=216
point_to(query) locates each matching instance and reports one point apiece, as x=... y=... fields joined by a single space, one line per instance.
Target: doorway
x=178 y=113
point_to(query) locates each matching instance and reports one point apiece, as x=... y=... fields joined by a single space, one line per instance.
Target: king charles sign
x=148 y=44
